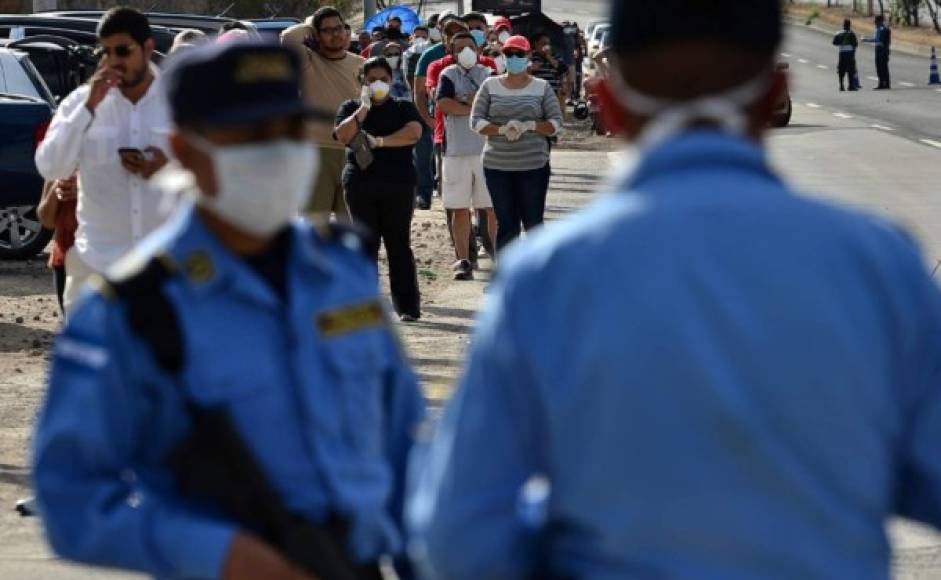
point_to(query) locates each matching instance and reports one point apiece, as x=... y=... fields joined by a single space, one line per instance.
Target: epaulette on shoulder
x=352 y=236
x=130 y=279
x=150 y=313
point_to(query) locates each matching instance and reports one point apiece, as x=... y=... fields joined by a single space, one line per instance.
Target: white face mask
x=435 y=35
x=393 y=62
x=379 y=90
x=500 y=61
x=668 y=118
x=467 y=57
x=419 y=45
x=503 y=36
x=260 y=187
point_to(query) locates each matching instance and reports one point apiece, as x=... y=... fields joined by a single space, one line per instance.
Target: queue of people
x=748 y=391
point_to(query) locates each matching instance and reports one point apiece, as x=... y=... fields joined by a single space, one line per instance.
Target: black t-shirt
x=272 y=264
x=390 y=164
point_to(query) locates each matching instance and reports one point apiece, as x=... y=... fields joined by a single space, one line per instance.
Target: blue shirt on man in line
x=328 y=413
x=716 y=377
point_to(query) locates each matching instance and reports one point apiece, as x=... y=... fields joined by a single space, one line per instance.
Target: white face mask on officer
x=668 y=118
x=260 y=187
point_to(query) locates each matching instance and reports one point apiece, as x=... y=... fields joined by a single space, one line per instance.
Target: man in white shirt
x=113 y=131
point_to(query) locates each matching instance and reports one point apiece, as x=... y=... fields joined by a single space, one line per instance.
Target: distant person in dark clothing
x=847 y=43
x=381 y=193
x=550 y=67
x=882 y=40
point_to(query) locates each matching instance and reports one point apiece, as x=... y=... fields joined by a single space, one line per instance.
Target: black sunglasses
x=121 y=51
x=514 y=54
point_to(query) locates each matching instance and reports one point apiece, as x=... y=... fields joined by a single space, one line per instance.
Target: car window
x=15 y=79
x=49 y=66
x=36 y=80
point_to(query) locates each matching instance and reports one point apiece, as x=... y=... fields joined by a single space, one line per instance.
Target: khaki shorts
x=328 y=190
x=77 y=273
x=464 y=184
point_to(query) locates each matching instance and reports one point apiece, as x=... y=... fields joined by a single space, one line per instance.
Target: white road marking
x=785 y=55
x=939 y=90
x=842 y=115
x=932 y=142
x=904 y=84
x=873 y=78
x=803 y=60
x=882 y=127
x=813 y=105
x=822 y=67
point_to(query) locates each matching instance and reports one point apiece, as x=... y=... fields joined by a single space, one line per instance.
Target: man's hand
x=104 y=79
x=154 y=160
x=66 y=189
x=249 y=559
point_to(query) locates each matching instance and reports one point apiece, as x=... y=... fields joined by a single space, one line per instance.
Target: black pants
x=847 y=68
x=519 y=197
x=386 y=209
x=882 y=68
x=58 y=278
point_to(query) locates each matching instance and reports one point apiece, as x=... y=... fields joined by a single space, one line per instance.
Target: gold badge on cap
x=342 y=321
x=199 y=268
x=260 y=68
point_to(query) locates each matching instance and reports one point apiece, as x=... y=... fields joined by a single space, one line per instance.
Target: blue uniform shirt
x=329 y=416
x=718 y=378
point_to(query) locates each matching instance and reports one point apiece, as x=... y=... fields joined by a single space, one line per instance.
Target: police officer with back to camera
x=753 y=390
x=882 y=40
x=847 y=42
x=231 y=402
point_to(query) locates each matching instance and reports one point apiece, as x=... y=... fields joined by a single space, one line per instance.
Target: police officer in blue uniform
x=703 y=375
x=882 y=40
x=231 y=402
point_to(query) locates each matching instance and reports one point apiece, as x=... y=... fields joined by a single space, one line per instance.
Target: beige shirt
x=327 y=83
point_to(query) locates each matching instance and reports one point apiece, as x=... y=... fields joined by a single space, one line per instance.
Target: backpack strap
x=150 y=313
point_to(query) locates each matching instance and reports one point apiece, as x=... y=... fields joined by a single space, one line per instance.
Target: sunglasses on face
x=121 y=51
x=514 y=54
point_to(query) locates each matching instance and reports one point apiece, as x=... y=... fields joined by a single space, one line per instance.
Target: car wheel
x=784 y=119
x=21 y=234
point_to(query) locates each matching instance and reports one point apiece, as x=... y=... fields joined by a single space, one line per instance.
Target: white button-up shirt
x=116 y=208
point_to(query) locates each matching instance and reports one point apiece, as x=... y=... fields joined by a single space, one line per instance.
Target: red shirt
x=64 y=237
x=431 y=83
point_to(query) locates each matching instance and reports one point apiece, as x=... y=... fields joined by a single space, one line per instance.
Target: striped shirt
x=497 y=105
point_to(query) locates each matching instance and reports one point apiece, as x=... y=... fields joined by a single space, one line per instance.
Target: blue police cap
x=753 y=25
x=236 y=83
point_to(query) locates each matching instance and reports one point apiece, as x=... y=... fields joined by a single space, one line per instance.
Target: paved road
x=912 y=109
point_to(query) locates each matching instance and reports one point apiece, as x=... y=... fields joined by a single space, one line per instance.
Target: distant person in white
x=114 y=131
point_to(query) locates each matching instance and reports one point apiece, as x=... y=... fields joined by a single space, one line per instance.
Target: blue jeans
x=423 y=166
x=519 y=198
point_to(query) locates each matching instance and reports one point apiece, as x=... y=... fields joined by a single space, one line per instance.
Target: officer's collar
x=706 y=149
x=206 y=264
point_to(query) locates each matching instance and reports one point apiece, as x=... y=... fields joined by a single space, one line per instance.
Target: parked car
x=273 y=26
x=784 y=109
x=174 y=22
x=63 y=63
x=19 y=26
x=26 y=108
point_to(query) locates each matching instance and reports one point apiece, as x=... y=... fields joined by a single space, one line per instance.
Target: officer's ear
x=195 y=161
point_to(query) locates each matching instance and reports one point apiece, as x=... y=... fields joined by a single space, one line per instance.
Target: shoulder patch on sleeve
x=82 y=353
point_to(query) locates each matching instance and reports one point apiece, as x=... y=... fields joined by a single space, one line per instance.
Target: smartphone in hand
x=132 y=155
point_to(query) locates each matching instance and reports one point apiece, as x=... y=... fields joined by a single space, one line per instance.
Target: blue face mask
x=517 y=64
x=479 y=36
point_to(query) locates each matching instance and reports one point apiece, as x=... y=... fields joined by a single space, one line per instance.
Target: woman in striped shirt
x=517 y=113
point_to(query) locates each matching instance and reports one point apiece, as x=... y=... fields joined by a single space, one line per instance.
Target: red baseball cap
x=517 y=43
x=501 y=23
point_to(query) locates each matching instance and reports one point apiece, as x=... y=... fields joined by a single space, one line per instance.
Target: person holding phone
x=114 y=131
x=380 y=132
